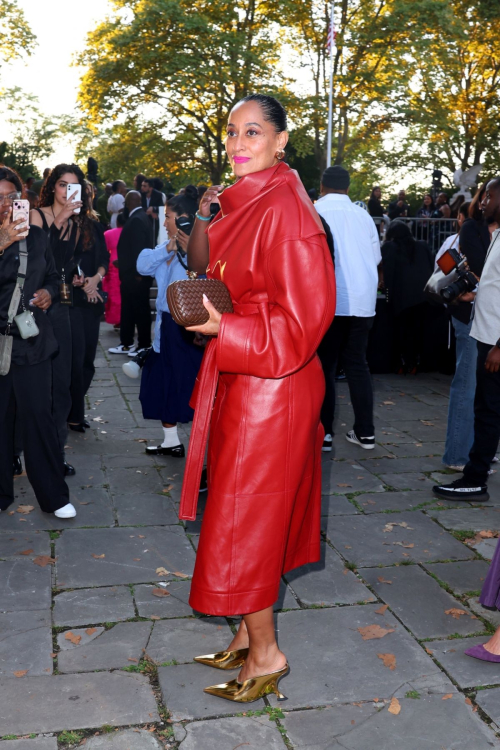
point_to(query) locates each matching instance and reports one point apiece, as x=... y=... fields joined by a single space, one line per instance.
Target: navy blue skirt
x=168 y=378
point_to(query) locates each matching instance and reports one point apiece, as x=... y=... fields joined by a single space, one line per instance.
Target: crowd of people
x=303 y=278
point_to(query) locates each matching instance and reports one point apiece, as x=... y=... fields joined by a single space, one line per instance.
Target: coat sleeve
x=286 y=331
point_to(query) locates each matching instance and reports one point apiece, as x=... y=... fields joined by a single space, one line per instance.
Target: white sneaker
x=368 y=443
x=136 y=351
x=123 y=349
x=67 y=511
x=327 y=444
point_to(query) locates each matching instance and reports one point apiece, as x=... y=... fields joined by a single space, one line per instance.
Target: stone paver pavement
x=97 y=635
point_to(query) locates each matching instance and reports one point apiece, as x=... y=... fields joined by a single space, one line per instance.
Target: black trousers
x=486 y=419
x=61 y=371
x=29 y=389
x=409 y=326
x=135 y=311
x=346 y=341
x=85 y=337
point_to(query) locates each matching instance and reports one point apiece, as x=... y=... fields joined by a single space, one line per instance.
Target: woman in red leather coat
x=262 y=517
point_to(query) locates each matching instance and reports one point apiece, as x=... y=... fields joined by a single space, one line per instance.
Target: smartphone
x=70 y=190
x=185 y=223
x=21 y=210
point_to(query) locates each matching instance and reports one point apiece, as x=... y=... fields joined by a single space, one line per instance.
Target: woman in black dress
x=27 y=386
x=77 y=242
x=407 y=264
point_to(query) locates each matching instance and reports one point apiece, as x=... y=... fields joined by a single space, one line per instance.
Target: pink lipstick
x=241 y=159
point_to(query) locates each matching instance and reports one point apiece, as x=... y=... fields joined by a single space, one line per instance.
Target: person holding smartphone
x=74 y=234
x=170 y=371
x=26 y=389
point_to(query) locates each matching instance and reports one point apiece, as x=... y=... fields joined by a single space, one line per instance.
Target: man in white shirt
x=116 y=201
x=486 y=330
x=357 y=256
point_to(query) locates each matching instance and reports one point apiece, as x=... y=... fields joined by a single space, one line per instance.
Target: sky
x=61 y=27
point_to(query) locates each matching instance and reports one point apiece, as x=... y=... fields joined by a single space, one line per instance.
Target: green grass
x=70 y=738
x=351 y=566
x=463 y=535
x=54 y=534
x=106 y=729
x=412 y=694
x=172 y=663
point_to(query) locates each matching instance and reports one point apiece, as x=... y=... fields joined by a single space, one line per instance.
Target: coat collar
x=252 y=186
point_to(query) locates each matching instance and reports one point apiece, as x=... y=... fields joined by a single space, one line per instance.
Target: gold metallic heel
x=224 y=659
x=252 y=689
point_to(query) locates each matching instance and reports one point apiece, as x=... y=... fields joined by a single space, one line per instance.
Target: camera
x=465 y=281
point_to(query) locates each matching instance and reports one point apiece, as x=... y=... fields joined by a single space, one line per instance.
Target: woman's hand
x=93 y=297
x=78 y=280
x=42 y=299
x=211 y=327
x=90 y=284
x=67 y=212
x=10 y=232
x=210 y=196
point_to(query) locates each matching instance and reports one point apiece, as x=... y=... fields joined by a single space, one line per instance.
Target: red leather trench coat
x=264 y=457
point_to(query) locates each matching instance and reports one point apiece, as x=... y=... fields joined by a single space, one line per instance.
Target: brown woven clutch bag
x=185 y=300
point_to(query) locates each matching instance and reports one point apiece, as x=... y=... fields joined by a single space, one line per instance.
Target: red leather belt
x=207 y=386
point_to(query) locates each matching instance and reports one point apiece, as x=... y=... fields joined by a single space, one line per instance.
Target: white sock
x=171 y=437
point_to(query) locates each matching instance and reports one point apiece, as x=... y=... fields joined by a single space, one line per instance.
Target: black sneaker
x=461 y=489
x=327 y=444
x=177 y=451
x=368 y=443
x=17 y=469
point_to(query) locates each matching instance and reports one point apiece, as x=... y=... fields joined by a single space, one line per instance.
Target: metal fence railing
x=432 y=231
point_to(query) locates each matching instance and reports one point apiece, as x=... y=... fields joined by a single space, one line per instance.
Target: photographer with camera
x=485 y=330
x=472 y=240
x=170 y=369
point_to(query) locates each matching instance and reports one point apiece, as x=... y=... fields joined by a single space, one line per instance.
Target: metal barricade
x=432 y=231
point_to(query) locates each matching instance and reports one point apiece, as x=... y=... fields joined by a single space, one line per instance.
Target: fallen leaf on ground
x=155 y=617
x=487 y=534
x=25 y=552
x=160 y=592
x=141 y=536
x=180 y=575
x=455 y=613
x=53 y=654
x=98 y=557
x=468 y=701
x=429 y=424
x=389 y=526
x=91 y=631
x=381 y=610
x=343 y=484
x=383 y=580
x=162 y=572
x=44 y=560
x=429 y=651
x=85 y=503
x=394 y=707
x=20 y=673
x=447 y=697
x=406 y=546
x=374 y=631
x=131 y=658
x=388 y=403
x=75 y=639
x=24 y=509
x=168 y=488
x=389 y=660
x=136 y=559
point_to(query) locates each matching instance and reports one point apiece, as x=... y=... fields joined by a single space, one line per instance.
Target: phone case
x=21 y=210
x=70 y=189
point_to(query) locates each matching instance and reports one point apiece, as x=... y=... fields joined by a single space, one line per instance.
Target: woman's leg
x=264 y=655
x=77 y=413
x=7 y=419
x=91 y=323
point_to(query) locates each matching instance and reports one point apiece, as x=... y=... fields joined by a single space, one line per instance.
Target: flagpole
x=330 y=91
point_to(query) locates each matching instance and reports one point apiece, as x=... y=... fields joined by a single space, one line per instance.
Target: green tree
x=454 y=109
x=16 y=37
x=380 y=44
x=187 y=62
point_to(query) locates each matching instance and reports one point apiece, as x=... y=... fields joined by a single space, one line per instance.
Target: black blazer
x=136 y=235
x=155 y=202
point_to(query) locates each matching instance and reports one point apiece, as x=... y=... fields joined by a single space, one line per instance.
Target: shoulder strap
x=21 y=277
x=45 y=224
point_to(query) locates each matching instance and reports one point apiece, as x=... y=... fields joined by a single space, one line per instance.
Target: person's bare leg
x=493 y=645
x=264 y=655
x=240 y=640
